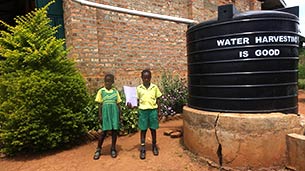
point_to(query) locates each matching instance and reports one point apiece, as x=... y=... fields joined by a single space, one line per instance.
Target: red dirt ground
x=172 y=157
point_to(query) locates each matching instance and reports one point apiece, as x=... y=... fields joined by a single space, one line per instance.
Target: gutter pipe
x=135 y=12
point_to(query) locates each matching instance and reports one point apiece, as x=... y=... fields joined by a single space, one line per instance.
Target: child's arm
x=120 y=111
x=159 y=111
x=119 y=100
x=129 y=105
x=99 y=112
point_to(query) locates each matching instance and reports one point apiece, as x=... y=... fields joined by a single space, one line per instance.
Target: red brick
x=126 y=44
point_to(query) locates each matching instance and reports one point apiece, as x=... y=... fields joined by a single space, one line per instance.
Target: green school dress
x=110 y=110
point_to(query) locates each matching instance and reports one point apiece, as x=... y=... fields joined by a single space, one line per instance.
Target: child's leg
x=154 y=141
x=154 y=124
x=114 y=138
x=143 y=137
x=153 y=136
x=99 y=145
x=143 y=125
x=101 y=139
x=113 y=144
x=142 y=150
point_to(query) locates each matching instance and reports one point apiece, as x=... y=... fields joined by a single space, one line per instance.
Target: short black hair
x=111 y=76
x=145 y=71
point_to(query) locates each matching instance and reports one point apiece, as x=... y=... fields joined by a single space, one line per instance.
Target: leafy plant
x=175 y=94
x=91 y=114
x=301 y=69
x=129 y=122
x=301 y=66
x=41 y=93
x=301 y=83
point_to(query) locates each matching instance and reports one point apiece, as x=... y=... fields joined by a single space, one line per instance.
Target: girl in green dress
x=108 y=99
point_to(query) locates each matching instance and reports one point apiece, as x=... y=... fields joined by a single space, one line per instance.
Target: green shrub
x=301 y=71
x=301 y=68
x=41 y=93
x=301 y=83
x=174 y=96
x=129 y=122
x=91 y=114
x=301 y=63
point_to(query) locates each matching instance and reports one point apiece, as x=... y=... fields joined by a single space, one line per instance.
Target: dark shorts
x=148 y=119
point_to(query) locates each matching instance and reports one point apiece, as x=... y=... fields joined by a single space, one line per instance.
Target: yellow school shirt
x=148 y=97
x=99 y=97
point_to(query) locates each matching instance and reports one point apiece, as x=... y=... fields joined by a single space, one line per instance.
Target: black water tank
x=244 y=63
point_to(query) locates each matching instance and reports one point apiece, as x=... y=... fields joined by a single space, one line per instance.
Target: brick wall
x=102 y=41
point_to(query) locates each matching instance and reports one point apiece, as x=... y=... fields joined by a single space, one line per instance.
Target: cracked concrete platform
x=239 y=141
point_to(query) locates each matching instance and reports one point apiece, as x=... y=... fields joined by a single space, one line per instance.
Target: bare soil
x=173 y=156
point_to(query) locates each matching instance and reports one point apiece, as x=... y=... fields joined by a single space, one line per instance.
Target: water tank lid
x=250 y=15
x=263 y=14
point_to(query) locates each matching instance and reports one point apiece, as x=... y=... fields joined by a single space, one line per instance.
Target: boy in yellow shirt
x=148 y=95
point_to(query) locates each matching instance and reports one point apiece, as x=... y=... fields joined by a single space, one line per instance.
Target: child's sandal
x=142 y=154
x=97 y=154
x=113 y=153
x=155 y=150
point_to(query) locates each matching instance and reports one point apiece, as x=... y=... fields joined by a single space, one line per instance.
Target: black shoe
x=113 y=153
x=155 y=150
x=97 y=154
x=142 y=154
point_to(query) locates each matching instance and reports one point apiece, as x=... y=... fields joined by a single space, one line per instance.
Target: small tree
x=41 y=93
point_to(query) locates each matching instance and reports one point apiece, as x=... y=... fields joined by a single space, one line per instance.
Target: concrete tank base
x=239 y=141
